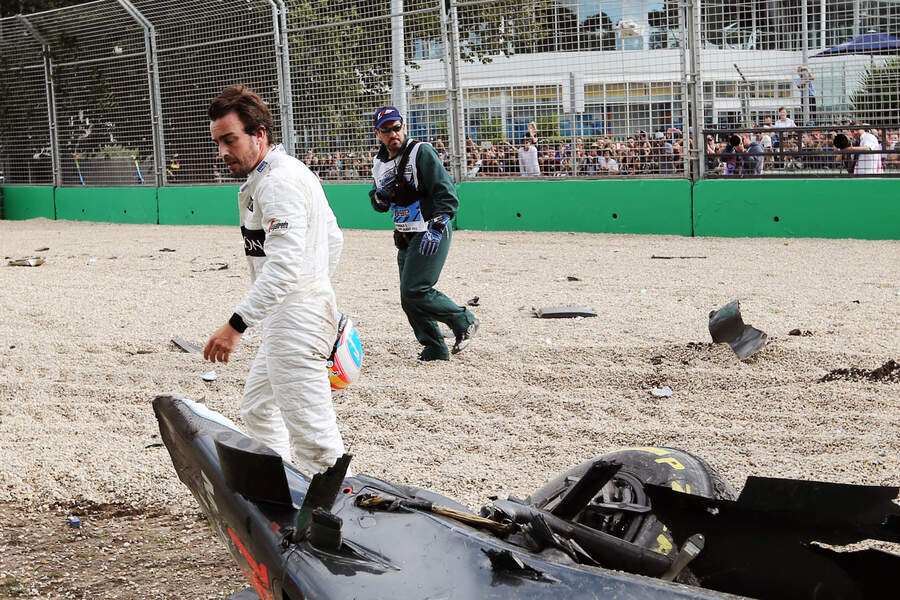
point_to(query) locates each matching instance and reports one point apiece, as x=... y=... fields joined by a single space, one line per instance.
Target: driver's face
x=392 y=134
x=241 y=151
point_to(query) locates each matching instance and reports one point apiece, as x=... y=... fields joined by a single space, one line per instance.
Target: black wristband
x=437 y=225
x=237 y=322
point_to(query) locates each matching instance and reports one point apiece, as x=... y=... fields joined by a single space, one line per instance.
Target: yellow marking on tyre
x=672 y=462
x=684 y=490
x=665 y=544
x=656 y=451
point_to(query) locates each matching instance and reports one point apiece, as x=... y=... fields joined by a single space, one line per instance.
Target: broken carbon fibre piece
x=322 y=492
x=726 y=325
x=186 y=346
x=564 y=312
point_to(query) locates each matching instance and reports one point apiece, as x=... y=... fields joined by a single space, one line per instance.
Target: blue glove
x=433 y=235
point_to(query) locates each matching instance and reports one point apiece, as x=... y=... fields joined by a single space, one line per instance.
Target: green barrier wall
x=111 y=205
x=613 y=206
x=833 y=208
x=198 y=205
x=351 y=205
x=217 y=205
x=28 y=202
x=825 y=208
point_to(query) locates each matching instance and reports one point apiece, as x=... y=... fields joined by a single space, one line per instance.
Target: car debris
x=564 y=312
x=210 y=376
x=26 y=262
x=726 y=325
x=806 y=332
x=186 y=346
x=213 y=266
x=658 y=512
x=663 y=392
x=671 y=257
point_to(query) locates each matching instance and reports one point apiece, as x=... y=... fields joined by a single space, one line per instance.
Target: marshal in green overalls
x=422 y=201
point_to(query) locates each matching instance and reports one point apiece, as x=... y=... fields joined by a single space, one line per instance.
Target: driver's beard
x=243 y=171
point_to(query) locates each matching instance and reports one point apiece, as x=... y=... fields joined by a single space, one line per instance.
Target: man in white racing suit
x=293 y=245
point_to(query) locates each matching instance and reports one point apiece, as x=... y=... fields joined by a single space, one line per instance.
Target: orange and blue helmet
x=346 y=356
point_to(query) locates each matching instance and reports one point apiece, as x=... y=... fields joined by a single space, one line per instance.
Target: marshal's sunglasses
x=387 y=130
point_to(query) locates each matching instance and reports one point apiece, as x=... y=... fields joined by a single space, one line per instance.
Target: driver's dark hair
x=249 y=108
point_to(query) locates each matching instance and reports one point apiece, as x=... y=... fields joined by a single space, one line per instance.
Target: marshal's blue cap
x=385 y=114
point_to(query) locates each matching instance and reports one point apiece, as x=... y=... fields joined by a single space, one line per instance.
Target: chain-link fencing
x=781 y=79
x=25 y=152
x=572 y=89
x=346 y=60
x=114 y=92
x=201 y=47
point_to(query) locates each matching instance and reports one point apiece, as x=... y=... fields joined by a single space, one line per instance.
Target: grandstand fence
x=114 y=92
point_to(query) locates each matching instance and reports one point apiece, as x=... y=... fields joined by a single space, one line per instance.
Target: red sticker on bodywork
x=258 y=575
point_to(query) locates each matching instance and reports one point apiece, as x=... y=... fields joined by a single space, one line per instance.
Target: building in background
x=624 y=57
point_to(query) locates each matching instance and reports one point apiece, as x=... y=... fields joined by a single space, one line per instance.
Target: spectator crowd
x=849 y=147
x=776 y=145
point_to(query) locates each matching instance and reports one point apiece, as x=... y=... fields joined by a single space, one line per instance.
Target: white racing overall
x=293 y=244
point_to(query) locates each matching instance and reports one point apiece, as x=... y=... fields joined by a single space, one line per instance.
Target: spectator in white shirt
x=866 y=164
x=783 y=119
x=612 y=165
x=528 y=159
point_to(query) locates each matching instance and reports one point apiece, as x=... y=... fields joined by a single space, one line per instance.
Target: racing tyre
x=670 y=467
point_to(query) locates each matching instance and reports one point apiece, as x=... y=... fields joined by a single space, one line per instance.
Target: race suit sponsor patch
x=277 y=227
x=254 y=241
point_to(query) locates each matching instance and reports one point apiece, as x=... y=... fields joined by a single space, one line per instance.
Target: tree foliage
x=341 y=60
x=9 y=8
x=877 y=99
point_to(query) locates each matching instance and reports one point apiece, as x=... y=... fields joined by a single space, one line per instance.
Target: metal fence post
x=804 y=48
x=458 y=134
x=279 y=74
x=687 y=75
x=51 y=100
x=694 y=92
x=287 y=101
x=451 y=85
x=398 y=58
x=159 y=144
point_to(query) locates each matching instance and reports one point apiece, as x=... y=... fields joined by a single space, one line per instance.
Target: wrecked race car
x=637 y=523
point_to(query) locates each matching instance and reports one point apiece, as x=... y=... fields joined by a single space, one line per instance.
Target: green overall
x=424 y=306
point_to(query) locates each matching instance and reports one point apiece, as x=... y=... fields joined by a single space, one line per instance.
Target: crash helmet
x=346 y=356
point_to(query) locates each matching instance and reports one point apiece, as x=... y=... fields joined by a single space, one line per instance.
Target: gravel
x=85 y=345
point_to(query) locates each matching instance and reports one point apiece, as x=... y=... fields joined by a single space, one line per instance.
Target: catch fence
x=114 y=92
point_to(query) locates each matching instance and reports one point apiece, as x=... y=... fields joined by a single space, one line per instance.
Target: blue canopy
x=868 y=43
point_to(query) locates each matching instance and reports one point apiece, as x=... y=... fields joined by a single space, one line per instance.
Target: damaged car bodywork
x=638 y=523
